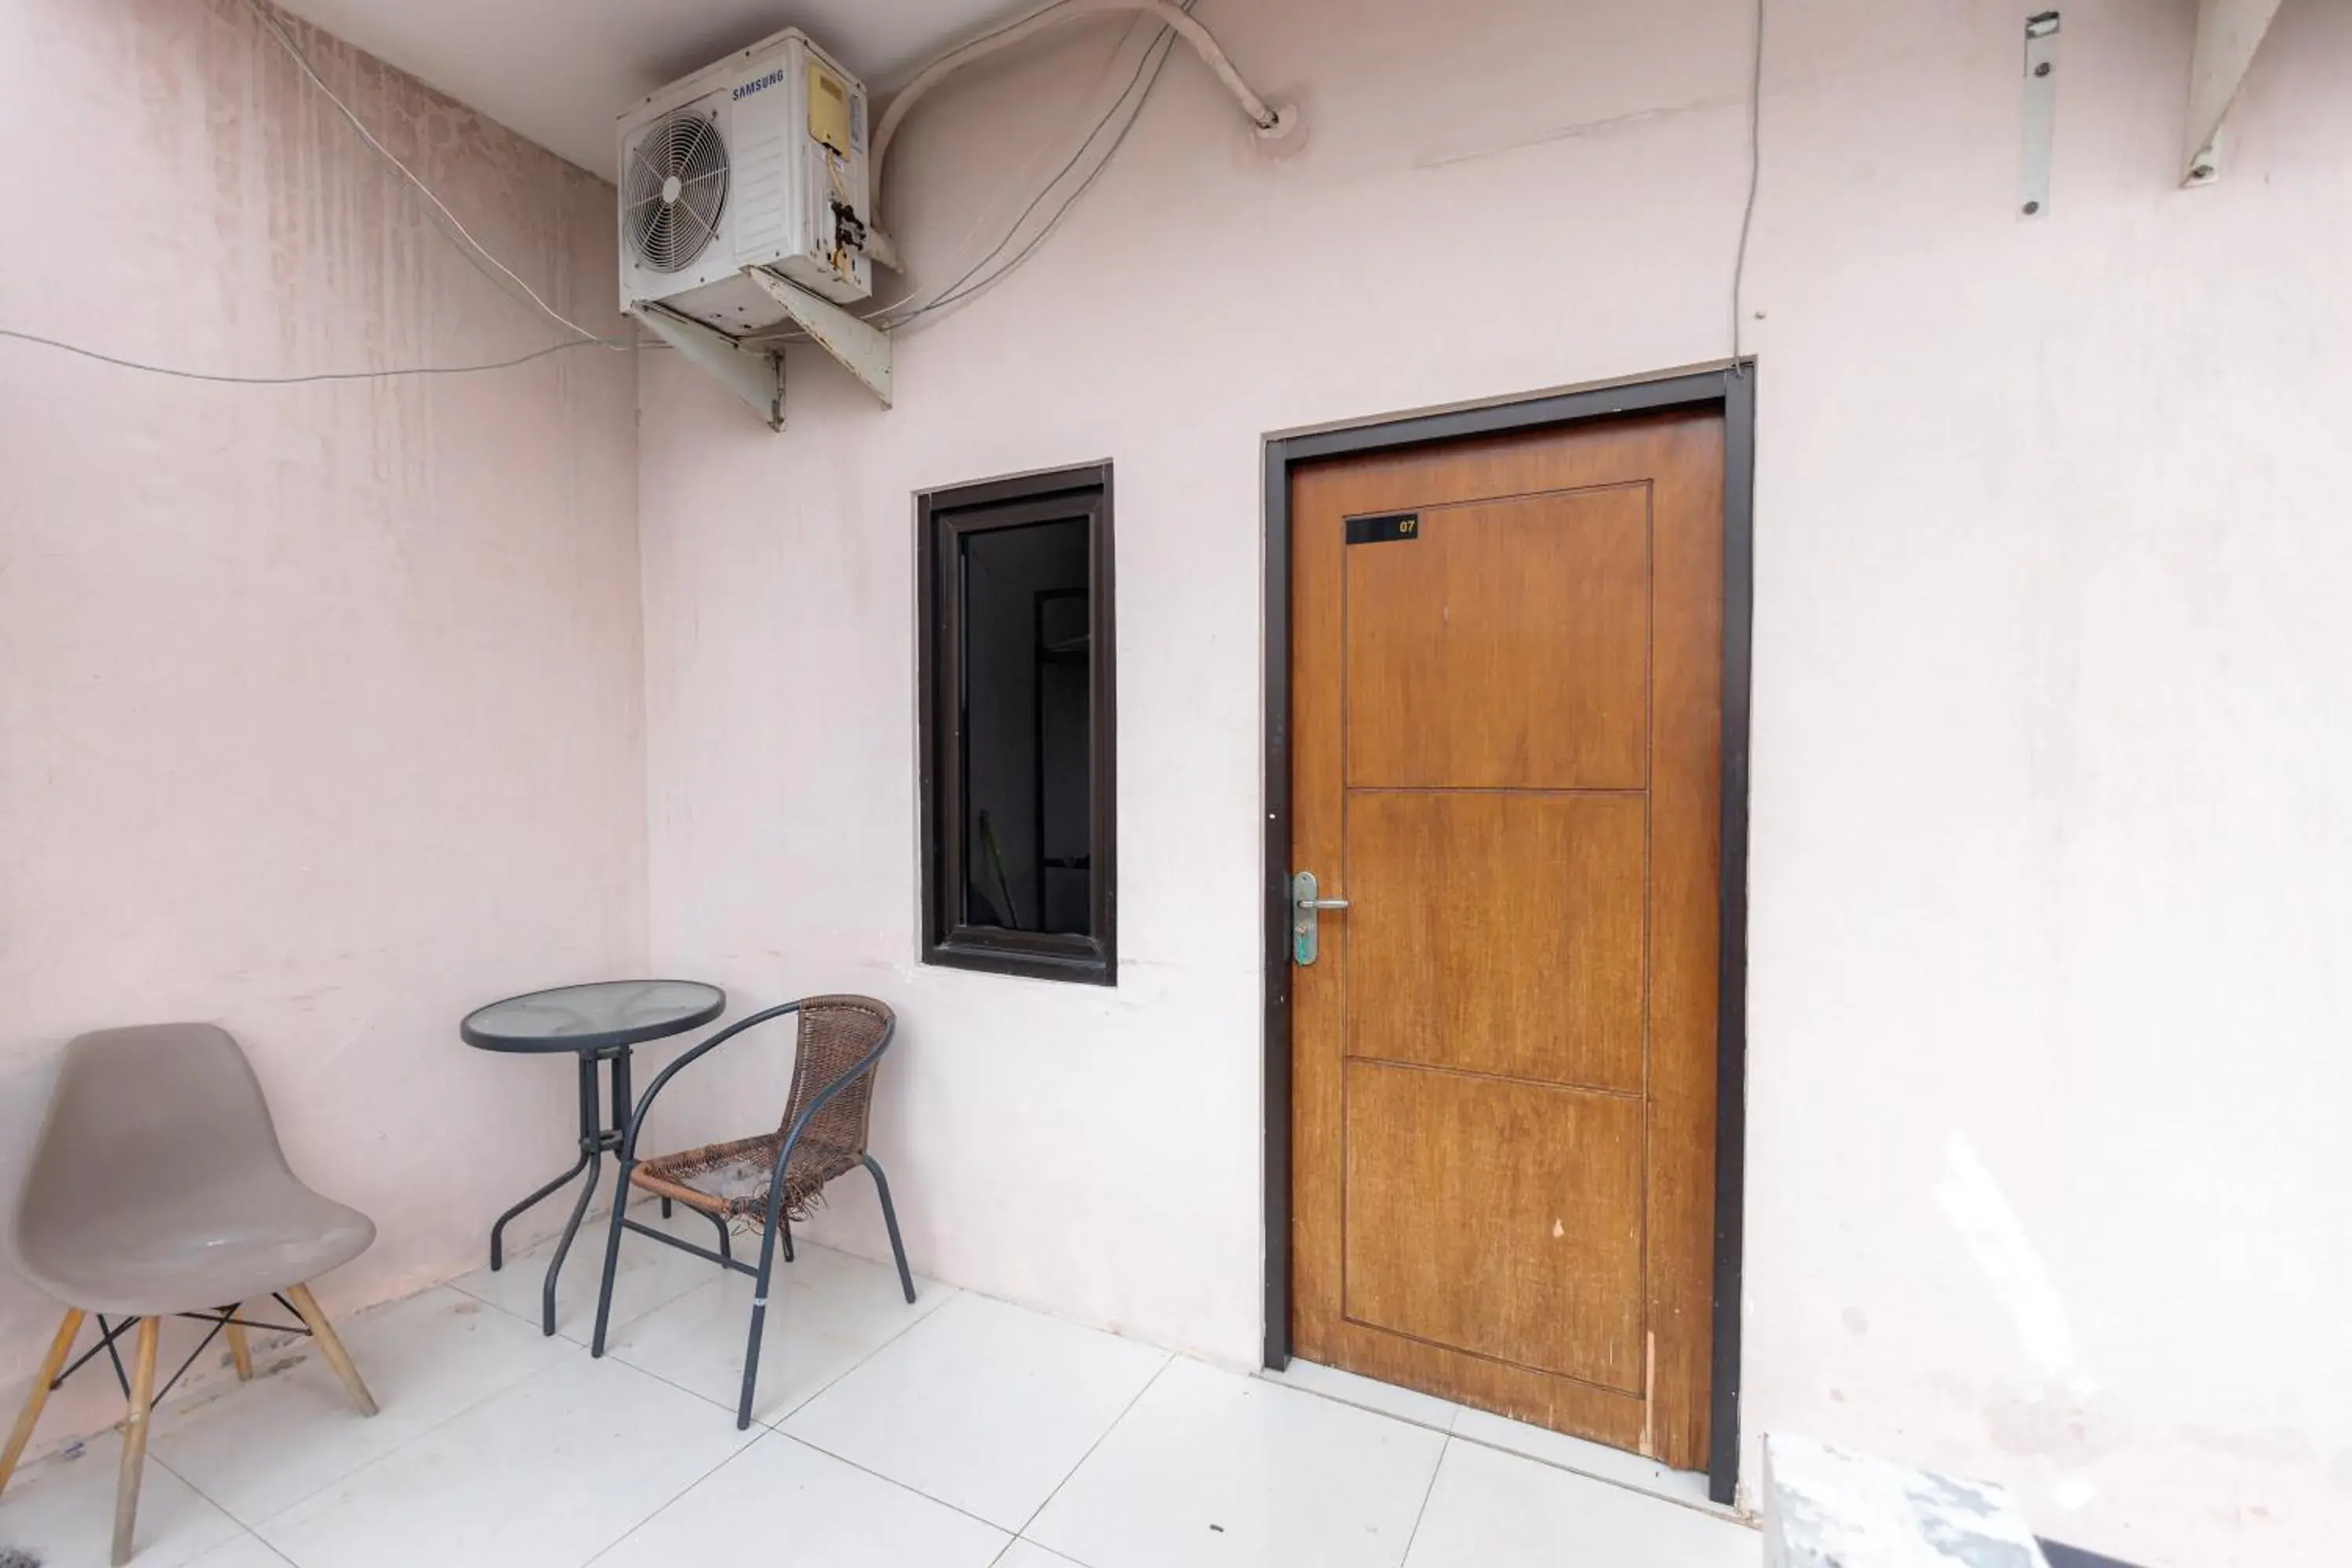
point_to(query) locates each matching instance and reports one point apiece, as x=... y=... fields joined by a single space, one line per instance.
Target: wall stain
x=1607 y=126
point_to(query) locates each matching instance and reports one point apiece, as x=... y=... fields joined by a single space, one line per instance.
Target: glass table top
x=592 y=1016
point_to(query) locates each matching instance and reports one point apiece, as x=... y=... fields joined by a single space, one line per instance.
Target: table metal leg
x=624 y=1103
x=498 y=1253
x=595 y=1138
x=570 y=1229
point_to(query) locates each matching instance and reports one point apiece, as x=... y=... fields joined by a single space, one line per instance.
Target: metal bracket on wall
x=755 y=375
x=862 y=349
x=2229 y=34
x=2040 y=109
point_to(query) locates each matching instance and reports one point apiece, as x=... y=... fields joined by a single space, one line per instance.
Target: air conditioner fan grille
x=673 y=190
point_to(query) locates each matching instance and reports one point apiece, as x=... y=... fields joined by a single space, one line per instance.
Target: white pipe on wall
x=1268 y=121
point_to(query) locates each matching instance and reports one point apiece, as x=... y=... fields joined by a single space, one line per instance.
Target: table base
x=596 y=1141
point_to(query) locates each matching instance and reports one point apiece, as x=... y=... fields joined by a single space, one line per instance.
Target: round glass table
x=596 y=1022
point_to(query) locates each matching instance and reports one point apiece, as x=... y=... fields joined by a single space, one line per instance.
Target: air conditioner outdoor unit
x=755 y=163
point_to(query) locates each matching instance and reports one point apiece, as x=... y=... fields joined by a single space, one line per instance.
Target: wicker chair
x=776 y=1177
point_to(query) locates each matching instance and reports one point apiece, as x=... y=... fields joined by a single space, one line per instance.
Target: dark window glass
x=1017 y=726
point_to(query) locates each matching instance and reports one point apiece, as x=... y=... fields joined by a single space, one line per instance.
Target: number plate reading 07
x=1385 y=530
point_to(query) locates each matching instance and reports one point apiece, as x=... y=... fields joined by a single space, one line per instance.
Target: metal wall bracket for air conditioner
x=2229 y=34
x=862 y=349
x=755 y=371
x=2041 y=110
x=755 y=375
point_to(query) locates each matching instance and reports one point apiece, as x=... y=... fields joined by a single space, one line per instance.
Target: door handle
x=1306 y=908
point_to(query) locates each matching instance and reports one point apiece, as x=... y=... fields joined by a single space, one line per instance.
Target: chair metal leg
x=666 y=1209
x=134 y=1438
x=306 y=1307
x=758 y=1314
x=612 y=1260
x=239 y=1351
x=785 y=1228
x=60 y=1348
x=726 y=1236
x=890 y=1222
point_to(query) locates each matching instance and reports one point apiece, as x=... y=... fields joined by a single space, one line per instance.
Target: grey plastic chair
x=157 y=1189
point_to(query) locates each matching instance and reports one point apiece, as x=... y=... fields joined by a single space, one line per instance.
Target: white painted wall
x=320 y=707
x=2045 y=1174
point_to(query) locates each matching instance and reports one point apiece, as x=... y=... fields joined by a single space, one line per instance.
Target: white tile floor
x=958 y=1433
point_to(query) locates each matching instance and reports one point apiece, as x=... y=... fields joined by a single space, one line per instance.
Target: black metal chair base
x=226 y=1317
x=780 y=1231
x=776 y=1225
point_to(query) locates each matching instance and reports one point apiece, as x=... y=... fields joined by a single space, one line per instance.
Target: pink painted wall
x=2045 y=1172
x=320 y=707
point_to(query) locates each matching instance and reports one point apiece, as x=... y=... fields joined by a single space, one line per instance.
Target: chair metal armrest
x=646 y=1100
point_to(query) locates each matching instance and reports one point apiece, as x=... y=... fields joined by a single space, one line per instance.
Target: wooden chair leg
x=60 y=1348
x=134 y=1438
x=331 y=1347
x=239 y=1351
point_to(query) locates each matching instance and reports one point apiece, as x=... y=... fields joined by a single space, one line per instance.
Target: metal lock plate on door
x=1304 y=911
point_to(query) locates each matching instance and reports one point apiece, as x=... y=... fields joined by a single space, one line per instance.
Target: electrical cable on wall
x=962 y=247
x=1149 y=64
x=1754 y=172
x=180 y=374
x=1275 y=124
x=732 y=311
x=294 y=51
x=1154 y=61
x=470 y=249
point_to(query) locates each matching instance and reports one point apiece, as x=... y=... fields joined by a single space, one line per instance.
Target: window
x=1017 y=696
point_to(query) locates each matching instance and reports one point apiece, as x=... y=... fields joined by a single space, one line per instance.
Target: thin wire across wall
x=179 y=374
x=471 y=249
x=1755 y=173
x=294 y=52
x=1137 y=28
x=1154 y=61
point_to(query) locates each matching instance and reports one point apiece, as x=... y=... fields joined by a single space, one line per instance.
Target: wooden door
x=1506 y=673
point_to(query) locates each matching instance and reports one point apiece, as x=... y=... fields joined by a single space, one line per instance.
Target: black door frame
x=1731 y=390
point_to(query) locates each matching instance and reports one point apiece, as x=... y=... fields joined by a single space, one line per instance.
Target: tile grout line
x=998 y=1560
x=679 y=1495
x=254 y=1529
x=917 y=1320
x=532 y=1317
x=611 y=1350
x=1444 y=1444
x=1167 y=1360
x=775 y=1427
x=275 y=1555
x=716 y=1404
x=1370 y=1409
x=613 y=1354
x=214 y=1503
x=570 y=1347
x=1706 y=1509
x=911 y=1490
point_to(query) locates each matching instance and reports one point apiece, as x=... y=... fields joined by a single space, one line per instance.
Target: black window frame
x=942 y=517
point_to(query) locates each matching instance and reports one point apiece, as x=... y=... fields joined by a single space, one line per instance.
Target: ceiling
x=560 y=71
